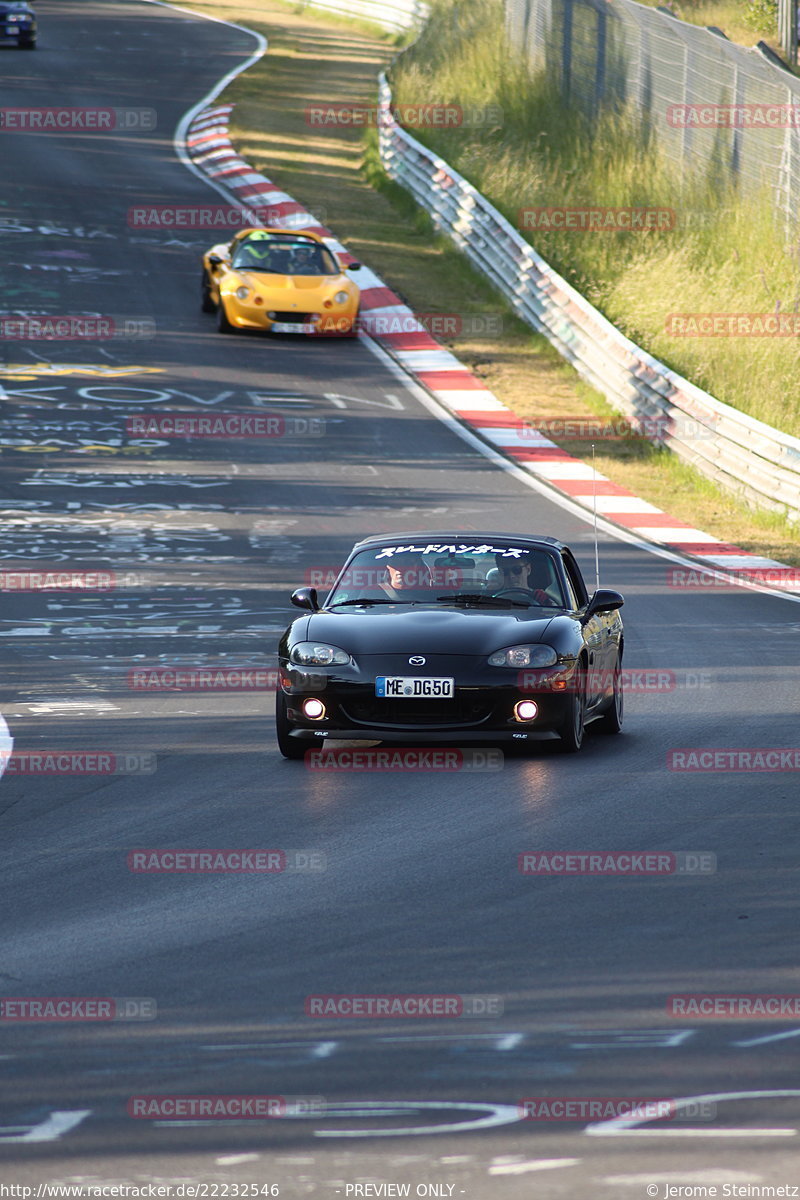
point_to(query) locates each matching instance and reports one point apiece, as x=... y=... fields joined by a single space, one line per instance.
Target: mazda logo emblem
x=417 y=661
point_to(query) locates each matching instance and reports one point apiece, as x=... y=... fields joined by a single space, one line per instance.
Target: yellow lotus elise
x=279 y=280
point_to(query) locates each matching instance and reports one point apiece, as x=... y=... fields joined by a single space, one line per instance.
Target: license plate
x=292 y=327
x=413 y=687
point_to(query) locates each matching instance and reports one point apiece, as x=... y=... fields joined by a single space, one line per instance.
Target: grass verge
x=335 y=173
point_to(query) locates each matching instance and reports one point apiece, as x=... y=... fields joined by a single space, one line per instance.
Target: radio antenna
x=594 y=507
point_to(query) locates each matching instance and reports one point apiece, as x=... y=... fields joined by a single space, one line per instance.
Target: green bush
x=762 y=16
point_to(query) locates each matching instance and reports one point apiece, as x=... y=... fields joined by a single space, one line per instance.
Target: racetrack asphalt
x=420 y=892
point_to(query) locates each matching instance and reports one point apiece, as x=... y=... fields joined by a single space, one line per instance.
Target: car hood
x=426 y=630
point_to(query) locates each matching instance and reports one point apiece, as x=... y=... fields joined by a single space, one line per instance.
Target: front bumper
x=338 y=322
x=482 y=708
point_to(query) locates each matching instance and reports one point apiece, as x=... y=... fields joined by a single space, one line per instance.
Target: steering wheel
x=534 y=593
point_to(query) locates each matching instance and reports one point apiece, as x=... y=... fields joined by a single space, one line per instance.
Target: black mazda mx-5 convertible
x=447 y=638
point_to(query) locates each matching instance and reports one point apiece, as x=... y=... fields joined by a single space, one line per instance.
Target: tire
x=289 y=747
x=611 y=720
x=573 y=730
x=223 y=324
x=207 y=305
x=27 y=43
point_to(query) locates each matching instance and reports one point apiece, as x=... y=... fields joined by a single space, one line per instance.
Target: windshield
x=284 y=255
x=458 y=574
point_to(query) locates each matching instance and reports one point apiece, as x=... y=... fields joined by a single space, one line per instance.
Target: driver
x=409 y=578
x=304 y=261
x=520 y=574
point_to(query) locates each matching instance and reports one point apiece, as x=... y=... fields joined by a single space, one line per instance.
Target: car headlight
x=524 y=656
x=242 y=293
x=342 y=297
x=318 y=654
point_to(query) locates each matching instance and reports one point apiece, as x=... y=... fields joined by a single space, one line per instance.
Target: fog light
x=525 y=710
x=313 y=709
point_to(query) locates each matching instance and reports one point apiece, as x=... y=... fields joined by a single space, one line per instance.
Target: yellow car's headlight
x=342 y=297
x=242 y=293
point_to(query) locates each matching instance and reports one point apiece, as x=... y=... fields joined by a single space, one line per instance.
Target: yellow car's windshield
x=283 y=256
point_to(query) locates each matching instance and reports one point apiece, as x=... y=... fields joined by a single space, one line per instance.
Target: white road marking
x=497 y=1038
x=540 y=1164
x=648 y=1039
x=510 y=1041
x=493 y=1115
x=6 y=750
x=771 y=1037
x=49 y=1130
x=233 y=1160
x=683 y=1178
x=324 y=1049
x=628 y=1125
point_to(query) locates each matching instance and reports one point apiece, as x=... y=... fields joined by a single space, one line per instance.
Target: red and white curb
x=395 y=328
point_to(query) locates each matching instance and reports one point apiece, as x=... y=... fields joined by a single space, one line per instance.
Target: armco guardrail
x=397 y=16
x=757 y=463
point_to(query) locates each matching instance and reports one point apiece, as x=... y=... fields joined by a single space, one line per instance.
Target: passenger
x=409 y=578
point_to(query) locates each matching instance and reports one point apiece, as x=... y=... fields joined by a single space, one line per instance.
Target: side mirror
x=354 y=266
x=306 y=597
x=214 y=259
x=604 y=600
